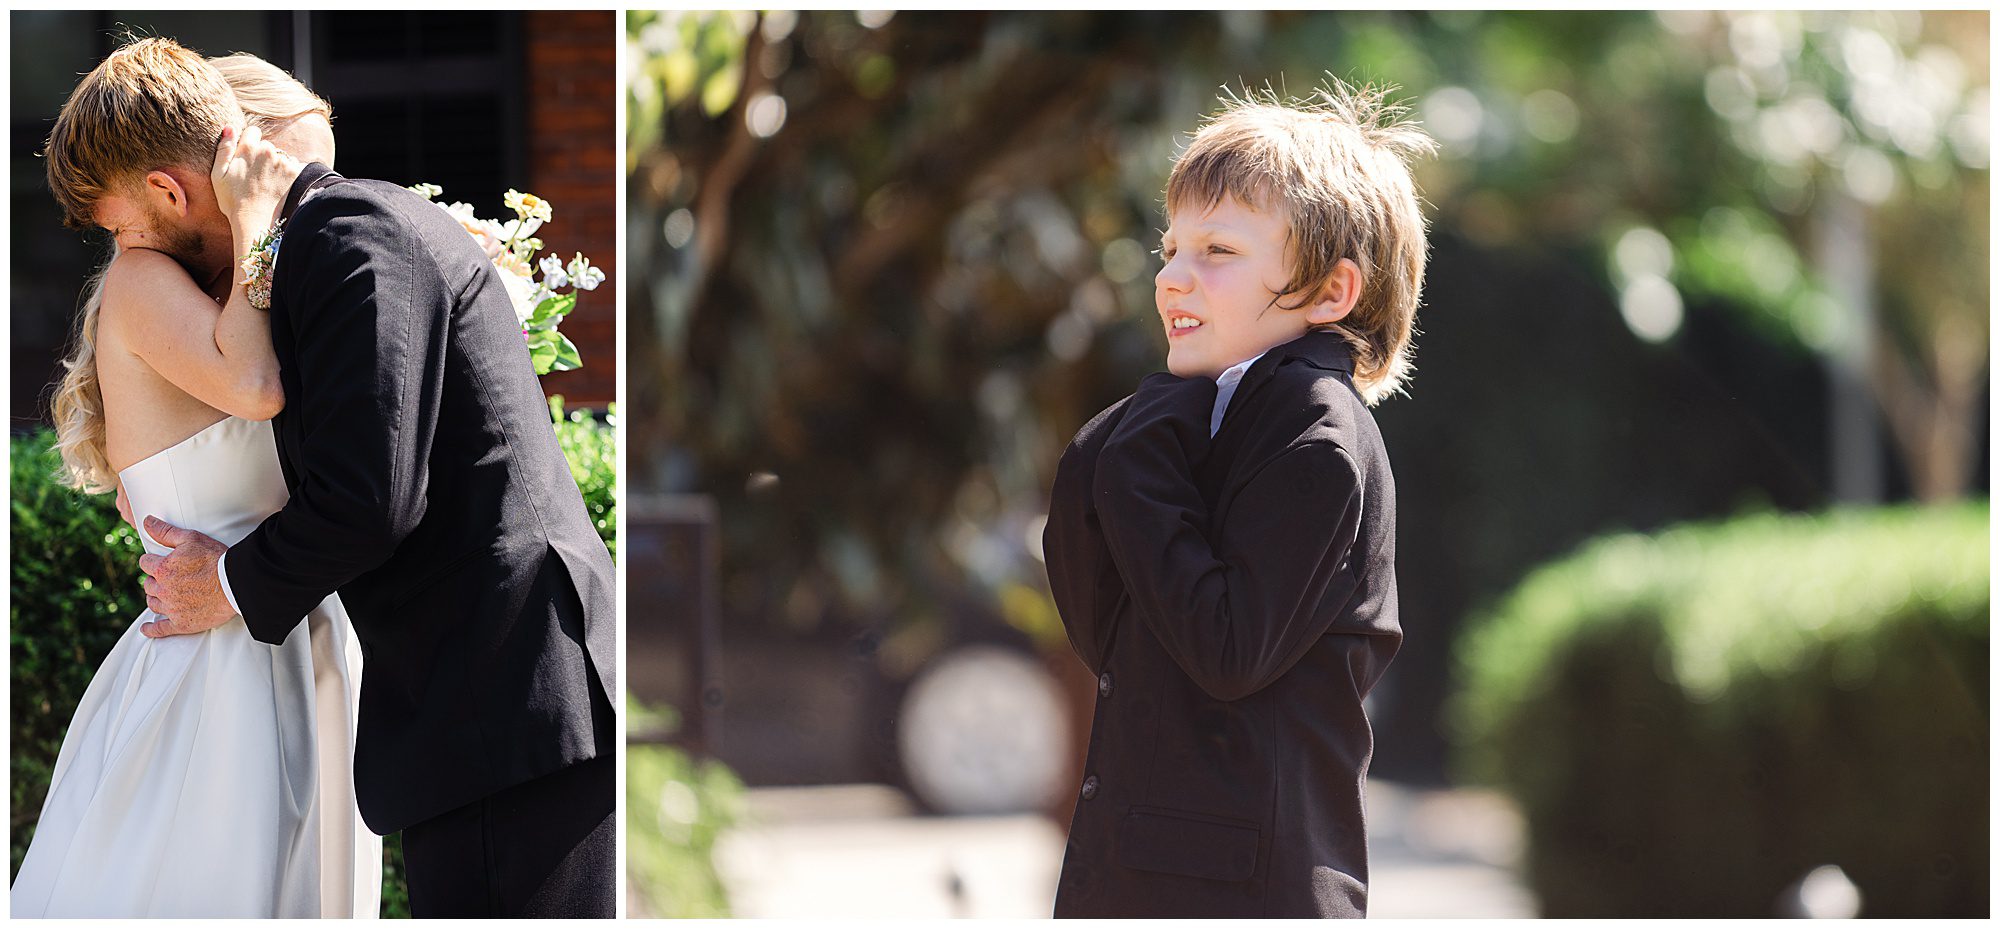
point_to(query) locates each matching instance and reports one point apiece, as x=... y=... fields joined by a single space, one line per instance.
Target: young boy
x=1221 y=544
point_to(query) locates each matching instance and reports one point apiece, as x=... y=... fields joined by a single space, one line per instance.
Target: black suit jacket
x=428 y=490
x=1237 y=598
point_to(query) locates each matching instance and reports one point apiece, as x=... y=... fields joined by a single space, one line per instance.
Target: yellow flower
x=528 y=206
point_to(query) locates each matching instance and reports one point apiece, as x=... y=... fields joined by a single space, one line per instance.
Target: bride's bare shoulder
x=142 y=285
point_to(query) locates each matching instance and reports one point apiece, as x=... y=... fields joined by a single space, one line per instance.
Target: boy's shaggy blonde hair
x=1338 y=164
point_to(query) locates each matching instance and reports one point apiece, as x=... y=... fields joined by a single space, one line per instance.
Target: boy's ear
x=1338 y=296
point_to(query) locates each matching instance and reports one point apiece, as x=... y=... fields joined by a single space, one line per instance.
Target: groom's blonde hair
x=150 y=104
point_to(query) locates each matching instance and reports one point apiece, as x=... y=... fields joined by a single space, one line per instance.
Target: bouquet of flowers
x=539 y=304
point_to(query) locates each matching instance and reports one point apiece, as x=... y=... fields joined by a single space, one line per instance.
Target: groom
x=427 y=489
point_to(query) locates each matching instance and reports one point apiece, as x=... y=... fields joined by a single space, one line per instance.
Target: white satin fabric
x=210 y=775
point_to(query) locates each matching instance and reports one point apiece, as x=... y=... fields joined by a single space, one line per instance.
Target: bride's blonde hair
x=270 y=99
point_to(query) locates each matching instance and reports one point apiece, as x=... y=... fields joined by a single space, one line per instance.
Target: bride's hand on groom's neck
x=251 y=178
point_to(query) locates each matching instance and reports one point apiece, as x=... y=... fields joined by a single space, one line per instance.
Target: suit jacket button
x=1089 y=787
x=1104 y=684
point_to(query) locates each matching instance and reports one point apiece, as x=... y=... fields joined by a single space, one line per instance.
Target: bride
x=210 y=774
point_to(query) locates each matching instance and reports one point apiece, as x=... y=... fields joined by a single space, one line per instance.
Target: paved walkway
x=863 y=851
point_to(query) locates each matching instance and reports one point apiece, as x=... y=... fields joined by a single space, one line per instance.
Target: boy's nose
x=1172 y=277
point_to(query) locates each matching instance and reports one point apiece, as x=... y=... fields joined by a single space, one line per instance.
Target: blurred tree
x=1823 y=173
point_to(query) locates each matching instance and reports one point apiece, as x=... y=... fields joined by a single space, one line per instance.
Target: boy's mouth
x=1180 y=324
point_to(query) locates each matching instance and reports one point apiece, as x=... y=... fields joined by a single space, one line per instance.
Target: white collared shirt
x=1225 y=388
x=222 y=574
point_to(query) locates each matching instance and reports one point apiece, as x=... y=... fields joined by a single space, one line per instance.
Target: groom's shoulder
x=360 y=199
x=368 y=214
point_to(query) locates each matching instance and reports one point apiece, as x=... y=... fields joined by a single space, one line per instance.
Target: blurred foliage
x=591 y=445
x=675 y=808
x=1692 y=720
x=395 y=883
x=885 y=265
x=75 y=576
x=893 y=261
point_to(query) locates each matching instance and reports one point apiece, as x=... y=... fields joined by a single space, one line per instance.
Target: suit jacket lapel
x=1245 y=424
x=313 y=177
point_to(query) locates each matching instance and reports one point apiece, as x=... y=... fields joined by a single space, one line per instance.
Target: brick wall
x=573 y=150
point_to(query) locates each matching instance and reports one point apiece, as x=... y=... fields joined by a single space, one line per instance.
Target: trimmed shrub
x=1692 y=721
x=75 y=577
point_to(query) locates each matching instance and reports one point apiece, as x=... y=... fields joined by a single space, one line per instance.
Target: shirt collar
x=1225 y=388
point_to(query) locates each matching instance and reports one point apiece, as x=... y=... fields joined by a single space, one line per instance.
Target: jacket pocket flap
x=1188 y=844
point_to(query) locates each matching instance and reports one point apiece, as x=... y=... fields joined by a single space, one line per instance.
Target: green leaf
x=551 y=311
x=544 y=355
x=567 y=358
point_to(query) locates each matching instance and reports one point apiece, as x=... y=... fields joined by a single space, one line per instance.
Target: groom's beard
x=181 y=243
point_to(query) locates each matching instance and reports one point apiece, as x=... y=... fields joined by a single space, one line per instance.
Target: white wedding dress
x=210 y=775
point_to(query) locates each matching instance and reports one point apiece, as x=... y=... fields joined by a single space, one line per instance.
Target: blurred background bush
x=676 y=806
x=1694 y=720
x=1685 y=266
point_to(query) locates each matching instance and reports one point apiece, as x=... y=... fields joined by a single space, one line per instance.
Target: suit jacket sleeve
x=1082 y=578
x=1235 y=609
x=366 y=304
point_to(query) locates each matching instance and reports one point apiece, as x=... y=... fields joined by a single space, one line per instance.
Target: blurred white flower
x=522 y=291
x=585 y=276
x=553 y=275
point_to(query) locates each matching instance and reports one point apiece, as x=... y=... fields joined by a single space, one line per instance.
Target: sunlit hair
x=150 y=104
x=78 y=406
x=270 y=99
x=1338 y=164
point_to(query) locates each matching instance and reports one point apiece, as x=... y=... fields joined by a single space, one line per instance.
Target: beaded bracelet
x=258 y=264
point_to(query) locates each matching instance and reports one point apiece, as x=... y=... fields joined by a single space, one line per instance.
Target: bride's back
x=144 y=413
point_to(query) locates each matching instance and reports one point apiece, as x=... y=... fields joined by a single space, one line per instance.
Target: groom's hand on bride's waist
x=182 y=588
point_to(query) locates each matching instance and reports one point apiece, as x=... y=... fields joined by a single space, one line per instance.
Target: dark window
x=426 y=96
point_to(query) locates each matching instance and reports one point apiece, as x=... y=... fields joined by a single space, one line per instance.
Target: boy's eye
x=1220 y=250
x=1167 y=254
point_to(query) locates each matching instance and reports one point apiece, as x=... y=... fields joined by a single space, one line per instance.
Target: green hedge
x=676 y=807
x=75 y=576
x=1691 y=721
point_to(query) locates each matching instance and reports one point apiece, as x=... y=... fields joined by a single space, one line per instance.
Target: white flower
x=552 y=273
x=528 y=205
x=427 y=191
x=585 y=276
x=522 y=292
